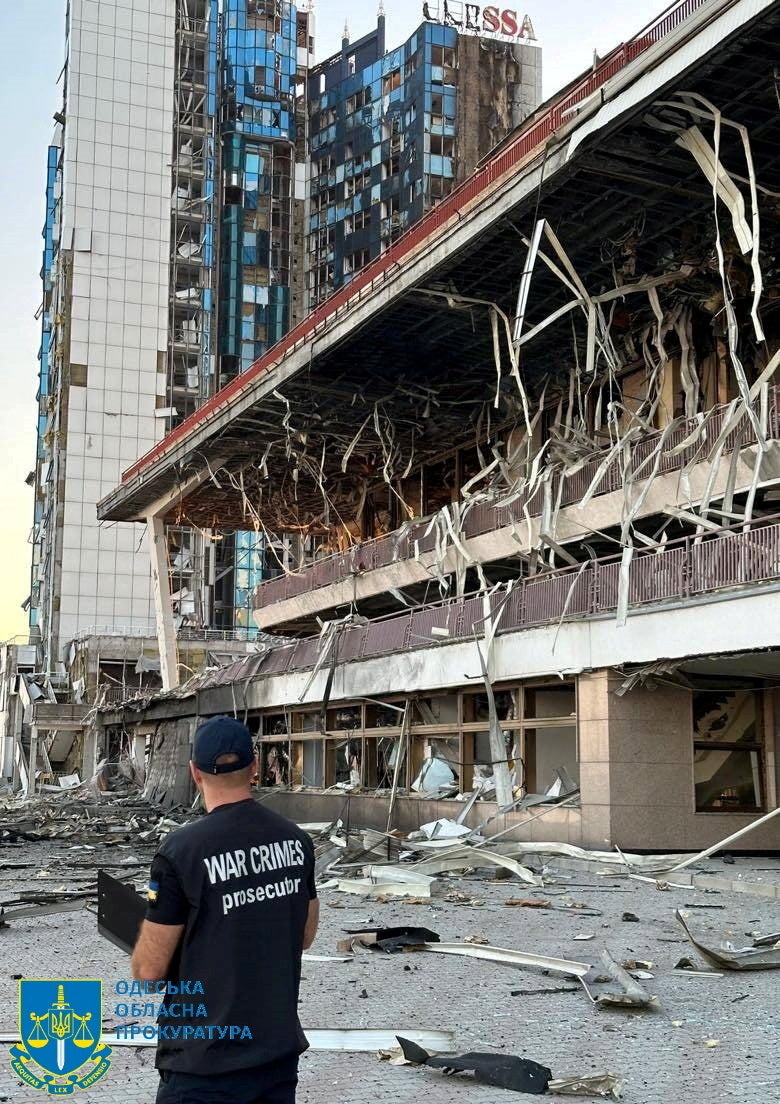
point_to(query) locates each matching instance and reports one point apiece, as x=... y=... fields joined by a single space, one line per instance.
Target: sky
x=31 y=56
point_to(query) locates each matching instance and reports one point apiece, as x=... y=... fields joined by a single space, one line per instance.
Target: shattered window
x=314 y=763
x=439 y=773
x=559 y=700
x=391 y=82
x=345 y=760
x=275 y=765
x=384 y=768
x=728 y=752
x=549 y=750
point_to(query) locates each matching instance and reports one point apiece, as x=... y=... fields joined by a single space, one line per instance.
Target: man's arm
x=313 y=916
x=154 y=950
x=166 y=916
x=312 y=923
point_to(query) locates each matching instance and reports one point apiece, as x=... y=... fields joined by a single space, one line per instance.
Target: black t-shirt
x=240 y=880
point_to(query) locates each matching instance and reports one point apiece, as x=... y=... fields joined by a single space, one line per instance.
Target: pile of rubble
x=82 y=836
x=442 y=862
x=78 y=832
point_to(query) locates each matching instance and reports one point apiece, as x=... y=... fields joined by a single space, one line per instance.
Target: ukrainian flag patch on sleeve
x=152 y=892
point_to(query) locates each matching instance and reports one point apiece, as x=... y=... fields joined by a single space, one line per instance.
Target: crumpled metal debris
x=388 y=882
x=388 y=940
x=768 y=941
x=729 y=957
x=441 y=829
x=93 y=819
x=510 y=957
x=606 y=1085
x=36 y=911
x=463 y=857
x=501 y=1071
x=628 y=994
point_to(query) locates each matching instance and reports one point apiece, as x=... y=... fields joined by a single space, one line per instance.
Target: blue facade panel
x=382 y=137
x=257 y=125
x=259 y=68
x=50 y=246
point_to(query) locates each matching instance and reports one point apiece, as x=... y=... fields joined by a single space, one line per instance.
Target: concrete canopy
x=391 y=376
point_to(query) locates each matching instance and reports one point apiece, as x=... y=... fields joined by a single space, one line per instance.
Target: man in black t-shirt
x=231 y=908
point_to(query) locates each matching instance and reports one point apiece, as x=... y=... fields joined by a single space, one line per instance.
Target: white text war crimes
x=260 y=859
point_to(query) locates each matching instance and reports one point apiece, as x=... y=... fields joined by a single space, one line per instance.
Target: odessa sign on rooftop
x=475 y=19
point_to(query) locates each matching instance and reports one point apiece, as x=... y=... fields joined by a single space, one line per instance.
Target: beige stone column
x=593 y=735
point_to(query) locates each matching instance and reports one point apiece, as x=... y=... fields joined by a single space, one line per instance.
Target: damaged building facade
x=139 y=176
x=179 y=182
x=392 y=133
x=537 y=443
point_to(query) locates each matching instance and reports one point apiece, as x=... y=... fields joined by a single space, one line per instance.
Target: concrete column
x=89 y=752
x=21 y=774
x=8 y=735
x=594 y=758
x=33 y=761
x=138 y=755
x=772 y=746
x=651 y=768
x=166 y=631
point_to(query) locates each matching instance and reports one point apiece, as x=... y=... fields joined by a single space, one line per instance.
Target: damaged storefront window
x=275 y=765
x=439 y=772
x=549 y=736
x=345 y=759
x=313 y=763
x=382 y=771
x=728 y=752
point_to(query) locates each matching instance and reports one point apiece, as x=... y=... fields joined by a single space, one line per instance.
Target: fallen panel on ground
x=733 y=958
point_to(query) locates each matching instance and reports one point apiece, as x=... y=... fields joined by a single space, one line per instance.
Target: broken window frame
x=459 y=725
x=755 y=747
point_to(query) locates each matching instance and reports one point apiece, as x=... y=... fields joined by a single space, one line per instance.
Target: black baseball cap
x=223 y=736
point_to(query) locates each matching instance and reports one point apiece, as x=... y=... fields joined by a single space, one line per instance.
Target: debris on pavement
x=397 y=883
x=544 y=992
x=462 y=857
x=95 y=819
x=692 y=860
x=729 y=957
x=441 y=829
x=628 y=994
x=606 y=1085
x=388 y=940
x=509 y=957
x=507 y=1071
x=501 y=1071
x=37 y=911
x=767 y=940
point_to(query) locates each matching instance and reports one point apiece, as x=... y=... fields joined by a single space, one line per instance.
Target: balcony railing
x=481 y=517
x=683 y=570
x=185 y=633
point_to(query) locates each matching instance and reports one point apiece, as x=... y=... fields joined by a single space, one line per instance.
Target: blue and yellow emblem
x=59 y=1024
